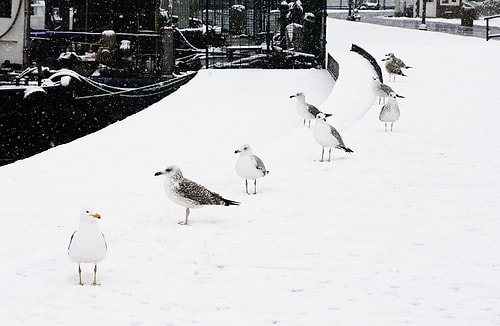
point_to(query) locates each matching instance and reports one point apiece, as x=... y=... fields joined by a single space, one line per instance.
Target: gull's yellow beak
x=96 y=215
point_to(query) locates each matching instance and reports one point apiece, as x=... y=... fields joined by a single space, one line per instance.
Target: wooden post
x=26 y=38
x=168 y=61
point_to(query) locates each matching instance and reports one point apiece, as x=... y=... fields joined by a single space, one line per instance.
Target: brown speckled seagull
x=189 y=194
x=397 y=61
x=393 y=69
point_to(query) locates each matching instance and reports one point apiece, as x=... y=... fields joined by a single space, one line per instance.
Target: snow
x=404 y=231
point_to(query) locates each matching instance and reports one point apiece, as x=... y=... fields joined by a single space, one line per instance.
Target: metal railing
x=263 y=33
x=488 y=35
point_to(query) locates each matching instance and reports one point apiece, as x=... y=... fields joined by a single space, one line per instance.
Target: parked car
x=369 y=5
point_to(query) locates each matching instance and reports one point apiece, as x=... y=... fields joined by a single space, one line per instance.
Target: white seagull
x=249 y=166
x=189 y=194
x=382 y=90
x=397 y=61
x=305 y=110
x=390 y=112
x=327 y=136
x=87 y=244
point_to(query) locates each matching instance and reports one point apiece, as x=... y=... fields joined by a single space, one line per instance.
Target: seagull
x=87 y=244
x=189 y=194
x=249 y=166
x=327 y=136
x=305 y=110
x=390 y=112
x=397 y=61
x=382 y=90
x=393 y=69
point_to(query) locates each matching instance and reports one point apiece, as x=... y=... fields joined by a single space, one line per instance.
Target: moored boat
x=72 y=67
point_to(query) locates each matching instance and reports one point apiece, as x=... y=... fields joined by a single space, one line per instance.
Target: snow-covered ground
x=404 y=231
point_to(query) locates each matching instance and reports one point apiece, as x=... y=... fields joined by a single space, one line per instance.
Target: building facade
x=12 y=31
x=434 y=8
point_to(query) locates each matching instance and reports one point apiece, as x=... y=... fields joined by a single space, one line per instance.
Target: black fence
x=208 y=33
x=260 y=33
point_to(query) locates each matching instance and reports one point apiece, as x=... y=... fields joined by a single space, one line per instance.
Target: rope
x=187 y=42
x=157 y=88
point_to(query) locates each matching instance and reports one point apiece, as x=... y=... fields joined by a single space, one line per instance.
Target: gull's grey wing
x=386 y=89
x=71 y=239
x=336 y=134
x=313 y=110
x=105 y=243
x=260 y=164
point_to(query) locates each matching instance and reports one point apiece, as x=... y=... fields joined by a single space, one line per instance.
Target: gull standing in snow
x=393 y=69
x=397 y=61
x=382 y=90
x=305 y=110
x=87 y=244
x=327 y=136
x=249 y=166
x=189 y=194
x=390 y=112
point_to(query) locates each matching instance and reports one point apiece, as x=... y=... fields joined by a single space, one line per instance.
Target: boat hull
x=36 y=118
